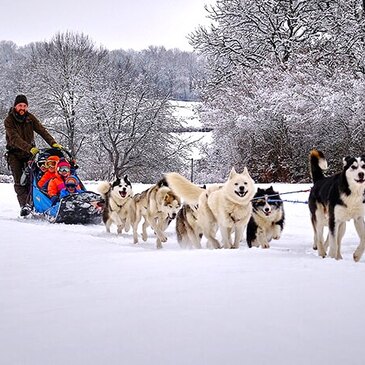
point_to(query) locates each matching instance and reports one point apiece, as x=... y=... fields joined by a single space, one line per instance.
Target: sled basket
x=85 y=207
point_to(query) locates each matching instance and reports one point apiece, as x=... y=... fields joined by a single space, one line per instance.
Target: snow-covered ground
x=76 y=295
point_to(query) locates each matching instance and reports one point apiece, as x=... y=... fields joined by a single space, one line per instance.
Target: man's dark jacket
x=20 y=133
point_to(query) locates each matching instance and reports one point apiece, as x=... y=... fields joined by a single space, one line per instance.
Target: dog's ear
x=116 y=181
x=271 y=189
x=163 y=182
x=346 y=160
x=126 y=180
x=245 y=171
x=232 y=173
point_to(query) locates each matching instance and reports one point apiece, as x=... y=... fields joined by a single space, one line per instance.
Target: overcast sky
x=114 y=24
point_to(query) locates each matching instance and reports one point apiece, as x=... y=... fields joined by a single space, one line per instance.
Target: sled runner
x=85 y=207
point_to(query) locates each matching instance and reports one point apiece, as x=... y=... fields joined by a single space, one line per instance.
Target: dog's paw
x=276 y=237
x=323 y=254
x=163 y=238
x=357 y=254
x=144 y=236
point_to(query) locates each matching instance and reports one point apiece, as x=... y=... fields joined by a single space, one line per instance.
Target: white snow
x=76 y=295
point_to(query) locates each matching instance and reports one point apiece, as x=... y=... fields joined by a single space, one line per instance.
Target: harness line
x=288 y=192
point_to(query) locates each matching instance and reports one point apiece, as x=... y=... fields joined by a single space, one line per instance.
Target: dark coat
x=20 y=133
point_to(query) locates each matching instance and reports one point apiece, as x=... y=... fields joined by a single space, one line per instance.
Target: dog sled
x=85 y=207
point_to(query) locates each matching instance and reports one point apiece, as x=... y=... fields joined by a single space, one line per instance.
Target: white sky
x=115 y=24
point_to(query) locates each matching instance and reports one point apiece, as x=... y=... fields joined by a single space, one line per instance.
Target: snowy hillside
x=76 y=295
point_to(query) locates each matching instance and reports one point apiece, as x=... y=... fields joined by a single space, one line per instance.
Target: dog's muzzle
x=361 y=178
x=172 y=216
x=241 y=192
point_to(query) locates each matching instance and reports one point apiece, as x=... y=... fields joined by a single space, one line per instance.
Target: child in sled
x=41 y=165
x=63 y=171
x=49 y=173
x=71 y=187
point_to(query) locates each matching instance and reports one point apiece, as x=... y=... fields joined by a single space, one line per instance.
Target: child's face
x=71 y=188
x=42 y=166
x=64 y=171
x=50 y=165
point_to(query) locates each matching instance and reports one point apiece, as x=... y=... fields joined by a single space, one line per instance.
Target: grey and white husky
x=120 y=207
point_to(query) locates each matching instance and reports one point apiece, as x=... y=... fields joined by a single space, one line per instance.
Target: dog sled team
x=236 y=206
x=229 y=208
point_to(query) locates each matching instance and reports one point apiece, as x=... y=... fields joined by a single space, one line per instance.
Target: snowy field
x=76 y=295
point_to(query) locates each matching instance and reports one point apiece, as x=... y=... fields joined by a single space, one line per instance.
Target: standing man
x=20 y=126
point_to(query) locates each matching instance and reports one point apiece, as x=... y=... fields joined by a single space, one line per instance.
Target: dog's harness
x=283 y=200
x=121 y=206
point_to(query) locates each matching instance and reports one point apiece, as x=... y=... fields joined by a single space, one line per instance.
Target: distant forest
x=109 y=108
x=273 y=78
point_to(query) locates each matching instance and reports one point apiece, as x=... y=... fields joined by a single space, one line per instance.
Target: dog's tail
x=183 y=188
x=317 y=164
x=103 y=188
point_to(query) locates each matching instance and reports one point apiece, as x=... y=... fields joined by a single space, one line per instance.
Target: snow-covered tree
x=131 y=125
x=275 y=70
x=58 y=71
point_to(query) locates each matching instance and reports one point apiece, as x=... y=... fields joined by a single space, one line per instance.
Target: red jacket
x=48 y=175
x=56 y=185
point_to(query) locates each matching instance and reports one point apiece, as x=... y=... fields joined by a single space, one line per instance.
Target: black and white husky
x=120 y=207
x=334 y=200
x=267 y=219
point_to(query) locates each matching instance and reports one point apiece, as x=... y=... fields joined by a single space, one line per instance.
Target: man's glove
x=56 y=145
x=34 y=151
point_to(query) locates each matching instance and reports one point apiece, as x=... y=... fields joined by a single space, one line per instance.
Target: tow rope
x=285 y=200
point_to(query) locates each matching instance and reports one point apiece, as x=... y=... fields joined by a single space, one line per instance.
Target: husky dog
x=227 y=207
x=188 y=231
x=120 y=207
x=158 y=205
x=334 y=200
x=267 y=219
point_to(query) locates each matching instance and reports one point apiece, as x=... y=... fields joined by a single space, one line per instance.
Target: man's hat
x=20 y=99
